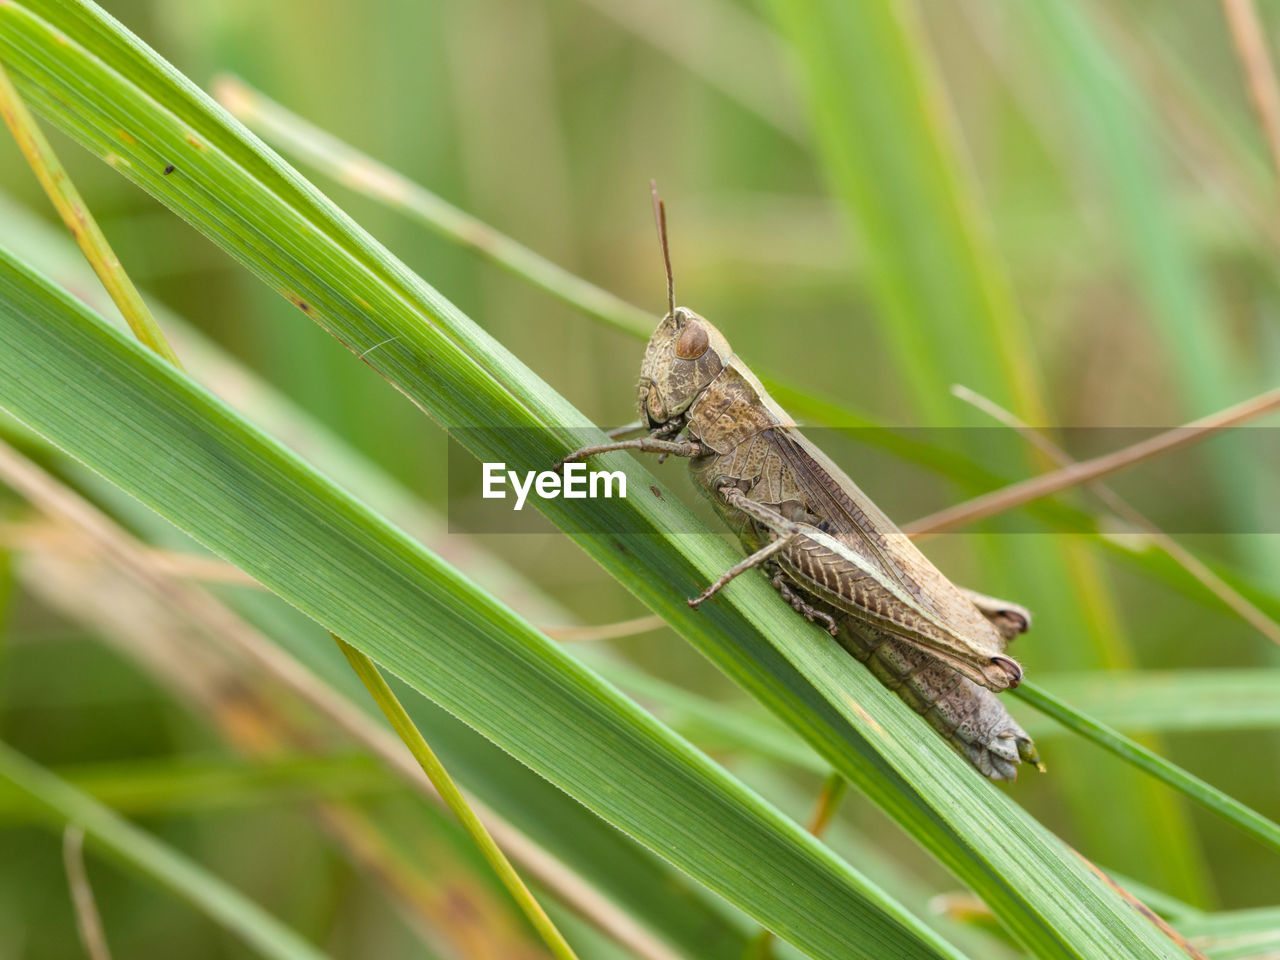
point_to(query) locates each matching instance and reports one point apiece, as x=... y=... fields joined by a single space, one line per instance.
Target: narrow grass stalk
x=833 y=791
x=362 y=173
x=197 y=782
x=88 y=921
x=75 y=214
x=1208 y=796
x=1086 y=471
x=1239 y=604
x=395 y=713
x=605 y=631
x=184 y=877
x=1250 y=43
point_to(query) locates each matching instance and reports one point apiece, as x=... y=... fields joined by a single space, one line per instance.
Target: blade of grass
x=1208 y=796
x=605 y=631
x=1188 y=701
x=1236 y=934
x=1260 y=76
x=249 y=717
x=60 y=187
x=453 y=798
x=200 y=783
x=632 y=895
x=221 y=903
x=747 y=634
x=1087 y=471
x=824 y=808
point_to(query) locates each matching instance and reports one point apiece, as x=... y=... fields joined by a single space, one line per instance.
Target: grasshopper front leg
x=655 y=442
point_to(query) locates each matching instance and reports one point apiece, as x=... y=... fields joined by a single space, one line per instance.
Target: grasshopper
x=828 y=549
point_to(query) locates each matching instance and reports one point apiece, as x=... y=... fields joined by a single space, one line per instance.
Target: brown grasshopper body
x=829 y=550
x=817 y=525
x=967 y=715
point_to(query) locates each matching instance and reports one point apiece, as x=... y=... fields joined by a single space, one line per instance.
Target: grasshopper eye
x=693 y=342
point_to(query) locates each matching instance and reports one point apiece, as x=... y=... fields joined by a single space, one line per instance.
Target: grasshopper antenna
x=660 y=220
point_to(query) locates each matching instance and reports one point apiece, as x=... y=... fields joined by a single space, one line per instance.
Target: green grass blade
x=883 y=133
x=1236 y=934
x=361 y=172
x=1139 y=756
x=130 y=845
x=80 y=222
x=197 y=784
x=1189 y=701
x=175 y=447
x=1168 y=701
x=625 y=873
x=250 y=203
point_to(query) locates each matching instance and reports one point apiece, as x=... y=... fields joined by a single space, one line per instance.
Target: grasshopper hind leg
x=1009 y=618
x=755 y=560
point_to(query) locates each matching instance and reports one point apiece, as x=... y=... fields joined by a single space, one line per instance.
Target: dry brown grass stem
x=1085 y=471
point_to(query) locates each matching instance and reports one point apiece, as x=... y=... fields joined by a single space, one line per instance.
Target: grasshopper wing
x=912 y=590
x=827 y=569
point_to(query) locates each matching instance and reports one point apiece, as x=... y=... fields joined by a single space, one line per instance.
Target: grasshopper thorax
x=685 y=354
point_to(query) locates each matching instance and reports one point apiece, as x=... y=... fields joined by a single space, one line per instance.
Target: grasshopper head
x=684 y=355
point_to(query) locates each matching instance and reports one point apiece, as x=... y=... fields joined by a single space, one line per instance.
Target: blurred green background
x=1114 y=154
